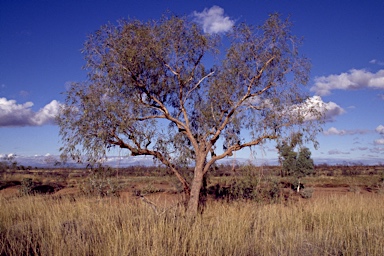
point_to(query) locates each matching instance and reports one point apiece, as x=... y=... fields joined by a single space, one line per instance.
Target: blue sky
x=40 y=43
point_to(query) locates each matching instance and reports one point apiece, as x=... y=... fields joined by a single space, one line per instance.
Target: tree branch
x=140 y=151
x=197 y=84
x=241 y=101
x=237 y=147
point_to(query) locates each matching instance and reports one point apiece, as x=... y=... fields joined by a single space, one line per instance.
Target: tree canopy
x=297 y=164
x=168 y=90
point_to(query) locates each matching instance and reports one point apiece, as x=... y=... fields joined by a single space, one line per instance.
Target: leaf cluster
x=297 y=164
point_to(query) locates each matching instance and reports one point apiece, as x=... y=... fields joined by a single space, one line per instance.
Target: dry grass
x=337 y=225
x=342 y=181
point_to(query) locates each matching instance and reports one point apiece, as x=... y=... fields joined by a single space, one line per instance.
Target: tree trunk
x=197 y=182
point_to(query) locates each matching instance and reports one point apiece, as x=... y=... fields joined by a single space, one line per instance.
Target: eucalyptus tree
x=168 y=90
x=296 y=164
x=287 y=158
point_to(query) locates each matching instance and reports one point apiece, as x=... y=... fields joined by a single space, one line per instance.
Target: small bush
x=248 y=186
x=354 y=189
x=381 y=179
x=274 y=190
x=99 y=183
x=306 y=193
x=26 y=186
x=150 y=189
x=99 y=187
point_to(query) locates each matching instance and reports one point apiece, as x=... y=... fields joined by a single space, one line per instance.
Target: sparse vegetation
x=332 y=215
x=306 y=193
x=26 y=186
x=100 y=182
x=336 y=225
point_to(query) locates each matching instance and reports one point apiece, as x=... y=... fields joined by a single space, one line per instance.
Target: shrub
x=100 y=183
x=150 y=188
x=306 y=193
x=248 y=186
x=26 y=186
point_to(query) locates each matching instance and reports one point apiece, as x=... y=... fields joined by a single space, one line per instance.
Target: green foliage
x=305 y=165
x=288 y=158
x=295 y=164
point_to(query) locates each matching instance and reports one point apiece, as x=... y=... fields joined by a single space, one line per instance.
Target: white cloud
x=380 y=129
x=335 y=131
x=213 y=20
x=7 y=157
x=13 y=114
x=353 y=79
x=329 y=110
x=378 y=62
x=309 y=110
x=47 y=114
x=379 y=141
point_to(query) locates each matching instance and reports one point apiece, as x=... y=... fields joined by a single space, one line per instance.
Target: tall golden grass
x=337 y=225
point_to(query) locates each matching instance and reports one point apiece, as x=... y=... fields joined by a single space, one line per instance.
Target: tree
x=288 y=159
x=305 y=163
x=295 y=164
x=149 y=91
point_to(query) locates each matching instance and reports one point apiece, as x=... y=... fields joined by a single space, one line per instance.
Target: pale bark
x=197 y=182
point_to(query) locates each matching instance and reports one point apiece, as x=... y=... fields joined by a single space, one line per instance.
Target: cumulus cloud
x=379 y=141
x=353 y=79
x=335 y=131
x=315 y=104
x=213 y=20
x=14 y=114
x=309 y=110
x=380 y=129
x=7 y=156
x=47 y=114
